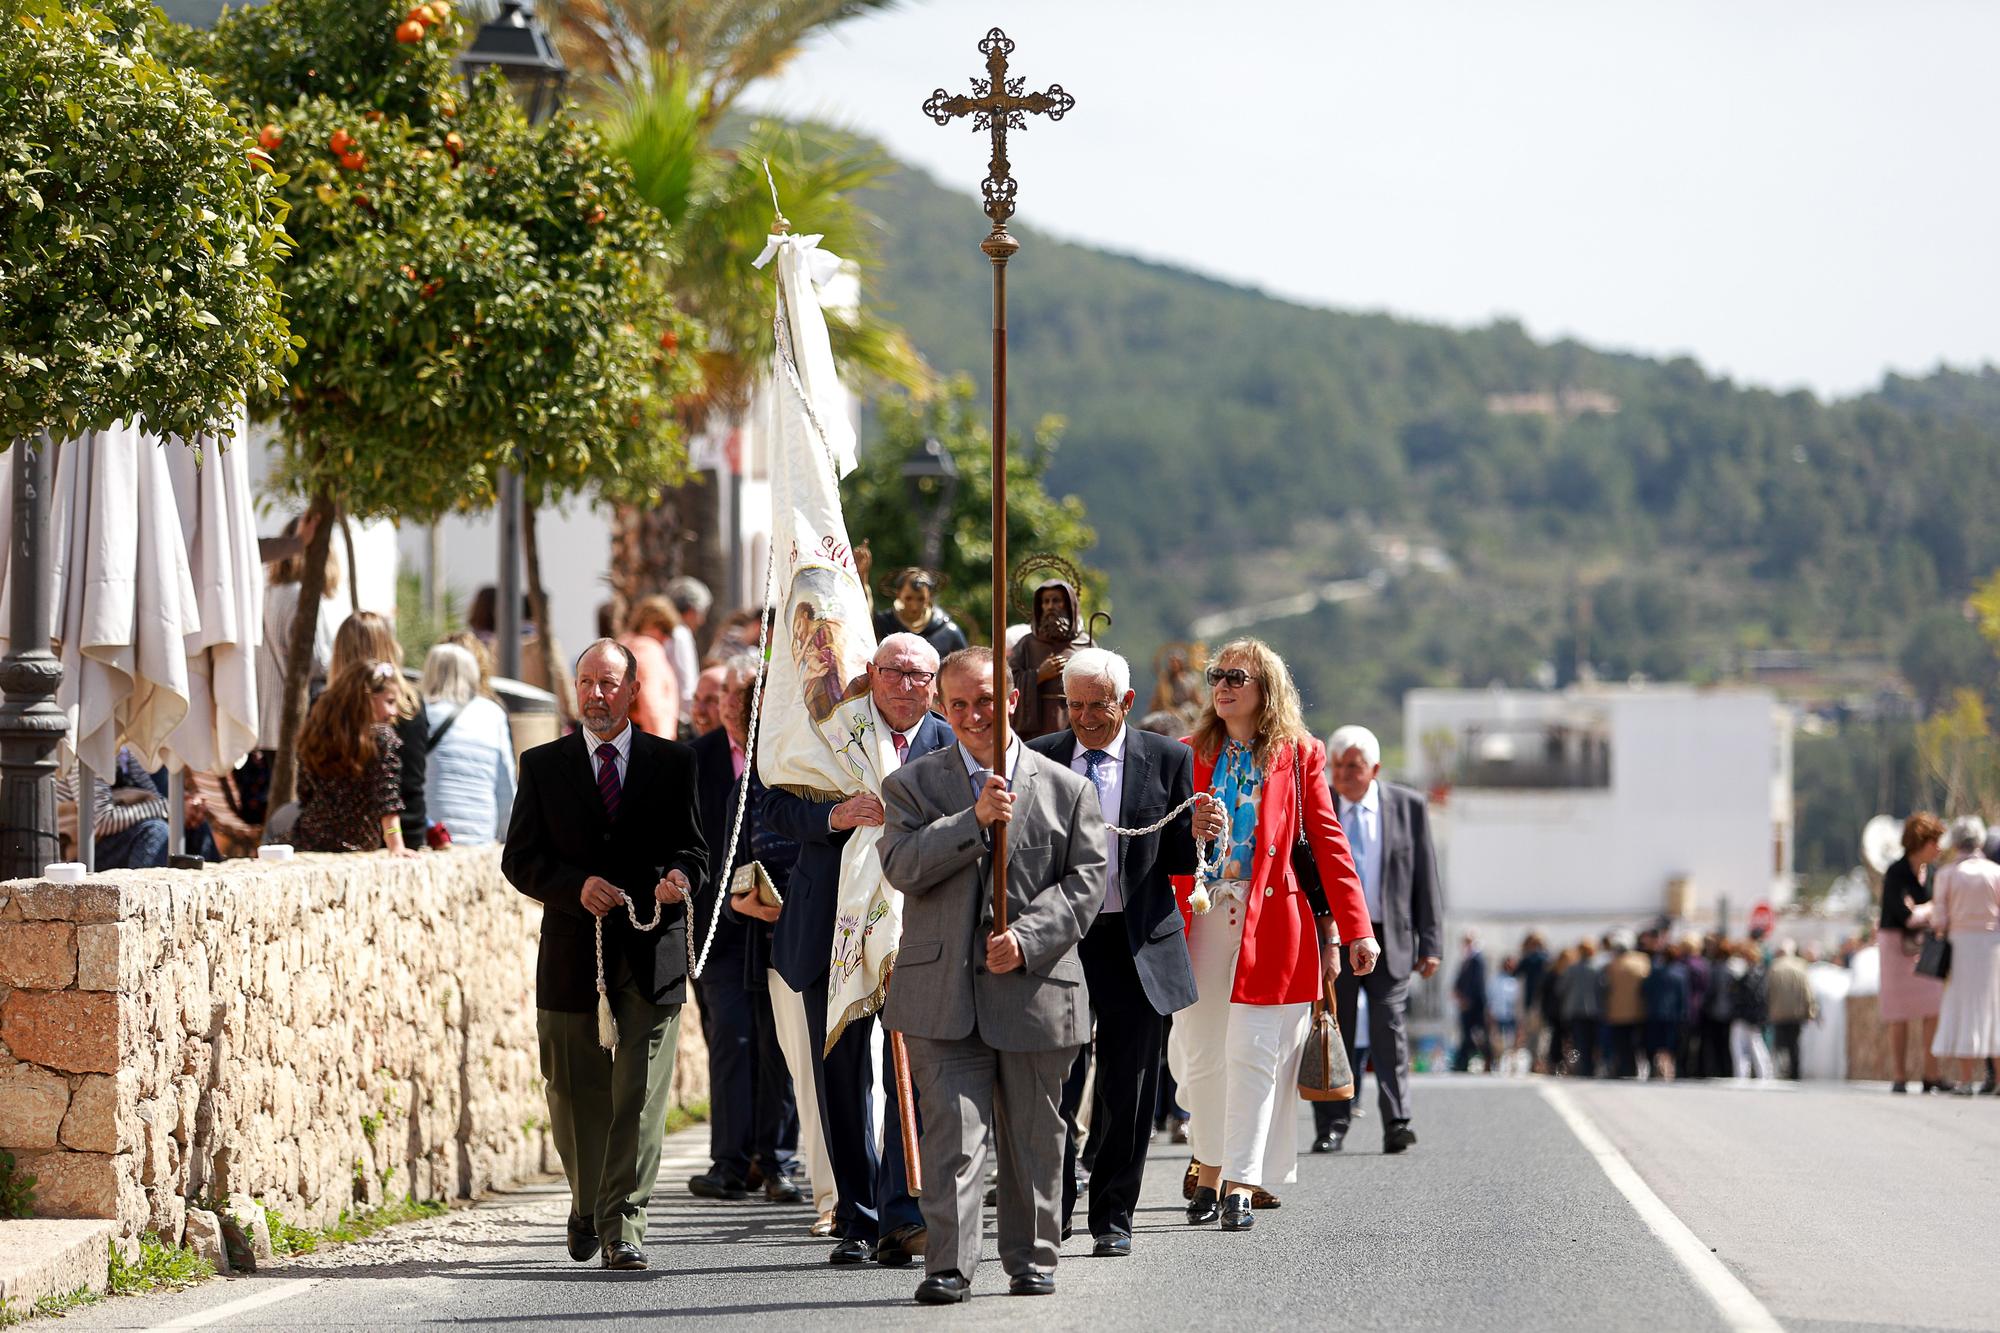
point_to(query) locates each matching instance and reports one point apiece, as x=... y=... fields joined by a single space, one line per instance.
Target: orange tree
x=471 y=291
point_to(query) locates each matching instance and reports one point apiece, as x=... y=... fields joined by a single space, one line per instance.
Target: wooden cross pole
x=998 y=104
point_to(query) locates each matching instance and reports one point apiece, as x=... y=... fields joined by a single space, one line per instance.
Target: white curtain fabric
x=219 y=532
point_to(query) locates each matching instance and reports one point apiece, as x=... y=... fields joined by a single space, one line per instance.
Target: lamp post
x=31 y=725
x=932 y=479
x=514 y=42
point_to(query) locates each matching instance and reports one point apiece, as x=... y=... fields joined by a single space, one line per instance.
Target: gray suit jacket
x=933 y=852
x=1412 y=924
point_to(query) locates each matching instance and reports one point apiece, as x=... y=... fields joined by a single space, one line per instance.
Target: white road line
x=1740 y=1310
x=283 y=1291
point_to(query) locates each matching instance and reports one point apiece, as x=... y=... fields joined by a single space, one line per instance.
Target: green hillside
x=1639 y=516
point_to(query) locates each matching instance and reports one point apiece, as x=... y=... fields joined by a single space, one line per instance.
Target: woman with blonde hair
x=1260 y=960
x=368 y=637
x=348 y=765
x=469 y=767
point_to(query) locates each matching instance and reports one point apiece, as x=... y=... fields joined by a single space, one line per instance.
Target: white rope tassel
x=607 y=1025
x=1209 y=856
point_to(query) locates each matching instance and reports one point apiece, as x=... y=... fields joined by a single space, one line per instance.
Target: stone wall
x=318 y=1035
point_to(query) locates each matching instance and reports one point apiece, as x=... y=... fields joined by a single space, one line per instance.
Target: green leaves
x=121 y=179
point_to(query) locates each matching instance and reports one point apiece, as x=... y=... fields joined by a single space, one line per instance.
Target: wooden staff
x=906 y=1099
x=996 y=107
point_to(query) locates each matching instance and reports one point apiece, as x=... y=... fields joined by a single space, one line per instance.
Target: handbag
x=1935 y=959
x=751 y=880
x=1324 y=1074
x=1304 y=868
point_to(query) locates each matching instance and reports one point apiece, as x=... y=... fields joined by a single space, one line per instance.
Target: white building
x=1596 y=806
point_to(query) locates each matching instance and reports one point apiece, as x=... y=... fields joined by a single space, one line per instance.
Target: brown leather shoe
x=1191 y=1179
x=1263 y=1198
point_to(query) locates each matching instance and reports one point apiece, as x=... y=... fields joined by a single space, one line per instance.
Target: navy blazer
x=1159 y=775
x=802 y=944
x=716 y=785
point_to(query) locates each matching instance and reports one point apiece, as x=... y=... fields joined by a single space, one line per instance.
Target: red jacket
x=1280 y=959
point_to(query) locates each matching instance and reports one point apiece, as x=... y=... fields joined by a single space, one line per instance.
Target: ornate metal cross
x=997 y=105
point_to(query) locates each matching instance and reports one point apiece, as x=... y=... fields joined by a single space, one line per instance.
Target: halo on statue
x=1043 y=563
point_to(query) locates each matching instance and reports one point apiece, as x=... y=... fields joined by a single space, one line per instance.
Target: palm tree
x=710 y=181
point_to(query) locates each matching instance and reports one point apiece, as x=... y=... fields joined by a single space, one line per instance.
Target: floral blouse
x=1236 y=785
x=343 y=814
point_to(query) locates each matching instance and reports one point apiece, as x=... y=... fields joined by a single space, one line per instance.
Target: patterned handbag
x=1324 y=1074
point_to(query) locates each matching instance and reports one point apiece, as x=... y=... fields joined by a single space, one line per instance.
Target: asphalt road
x=1835 y=1209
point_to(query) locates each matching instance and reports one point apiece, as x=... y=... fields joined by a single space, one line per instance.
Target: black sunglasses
x=1234 y=677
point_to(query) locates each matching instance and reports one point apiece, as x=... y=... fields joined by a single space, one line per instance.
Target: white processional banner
x=820 y=737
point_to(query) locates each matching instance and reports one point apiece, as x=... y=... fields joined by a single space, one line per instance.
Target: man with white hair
x=1135 y=957
x=1388 y=828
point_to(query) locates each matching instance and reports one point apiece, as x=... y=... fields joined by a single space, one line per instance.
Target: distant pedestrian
x=1792 y=1006
x=1664 y=993
x=469 y=773
x=1468 y=991
x=1906 y=997
x=1532 y=969
x=691 y=599
x=368 y=637
x=1695 y=967
x=1718 y=1008
x=350 y=791
x=1967 y=907
x=1624 y=1006
x=649 y=634
x=1582 y=1010
x=1750 y=1057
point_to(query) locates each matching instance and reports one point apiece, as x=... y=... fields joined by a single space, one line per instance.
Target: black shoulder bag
x=1304 y=868
x=431 y=741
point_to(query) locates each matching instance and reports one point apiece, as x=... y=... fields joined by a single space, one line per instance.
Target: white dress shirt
x=1112 y=772
x=623 y=743
x=1364 y=818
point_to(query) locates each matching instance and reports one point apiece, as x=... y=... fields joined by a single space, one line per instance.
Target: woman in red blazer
x=1259 y=958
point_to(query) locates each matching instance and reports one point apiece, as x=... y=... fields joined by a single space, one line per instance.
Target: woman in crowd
x=1664 y=993
x=365 y=638
x=1906 y=912
x=649 y=635
x=481 y=654
x=1966 y=911
x=1749 y=1055
x=469 y=772
x=1582 y=1007
x=350 y=797
x=1259 y=959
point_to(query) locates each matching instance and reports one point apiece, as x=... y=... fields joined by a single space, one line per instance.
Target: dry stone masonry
x=316 y=1035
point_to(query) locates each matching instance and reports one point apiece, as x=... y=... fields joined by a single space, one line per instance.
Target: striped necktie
x=607 y=778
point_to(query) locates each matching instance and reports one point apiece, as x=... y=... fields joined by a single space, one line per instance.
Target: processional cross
x=998 y=104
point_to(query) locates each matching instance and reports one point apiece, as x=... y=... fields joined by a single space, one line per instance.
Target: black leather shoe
x=1032 y=1284
x=624 y=1256
x=715 y=1185
x=1939 y=1085
x=778 y=1189
x=1899 y=1086
x=1203 y=1209
x=901 y=1245
x=947 y=1288
x=1398 y=1136
x=1068 y=1231
x=582 y=1239
x=1330 y=1142
x=849 y=1251
x=1113 y=1245
x=1236 y=1213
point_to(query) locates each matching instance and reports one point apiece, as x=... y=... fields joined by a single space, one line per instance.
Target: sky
x=1796 y=194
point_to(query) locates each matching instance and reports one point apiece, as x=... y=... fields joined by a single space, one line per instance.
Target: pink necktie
x=902 y=747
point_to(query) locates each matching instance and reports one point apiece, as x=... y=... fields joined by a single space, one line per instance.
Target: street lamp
x=932 y=479
x=514 y=42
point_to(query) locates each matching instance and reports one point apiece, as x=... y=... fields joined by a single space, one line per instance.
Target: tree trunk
x=353 y=582
x=554 y=670
x=298 y=654
x=681 y=534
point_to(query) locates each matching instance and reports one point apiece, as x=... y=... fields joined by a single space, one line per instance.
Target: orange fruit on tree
x=409 y=271
x=446 y=106
x=375 y=117
x=670 y=341
x=270 y=137
x=340 y=141
x=409 y=30
x=354 y=161
x=431 y=288
x=596 y=216
x=453 y=144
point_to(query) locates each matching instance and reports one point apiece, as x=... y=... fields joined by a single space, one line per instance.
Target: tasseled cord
x=607 y=1026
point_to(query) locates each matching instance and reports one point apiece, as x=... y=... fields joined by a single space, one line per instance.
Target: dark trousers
x=1130 y=1036
x=1388 y=1041
x=1624 y=1050
x=1581 y=1057
x=845 y=1081
x=1786 y=1053
x=1471 y=1038
x=750 y=1093
x=1715 y=1058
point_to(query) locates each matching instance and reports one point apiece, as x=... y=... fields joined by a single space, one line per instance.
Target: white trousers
x=1237 y=1064
x=1749 y=1056
x=788 y=1016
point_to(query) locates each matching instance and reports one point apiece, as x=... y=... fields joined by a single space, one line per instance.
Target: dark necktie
x=1095 y=761
x=607 y=778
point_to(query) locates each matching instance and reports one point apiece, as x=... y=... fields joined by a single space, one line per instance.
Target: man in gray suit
x=993 y=1019
x=1389 y=830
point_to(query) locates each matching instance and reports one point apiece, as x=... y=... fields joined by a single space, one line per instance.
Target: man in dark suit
x=1389 y=830
x=877 y=1216
x=749 y=1098
x=1135 y=956
x=605 y=819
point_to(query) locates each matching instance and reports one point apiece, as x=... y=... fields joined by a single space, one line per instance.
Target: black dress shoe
x=1203 y=1209
x=624 y=1256
x=1398 y=1136
x=1068 y=1231
x=900 y=1246
x=1331 y=1142
x=582 y=1239
x=947 y=1288
x=1113 y=1245
x=1899 y=1086
x=1939 y=1085
x=849 y=1251
x=1236 y=1213
x=1032 y=1284
x=715 y=1185
x=778 y=1189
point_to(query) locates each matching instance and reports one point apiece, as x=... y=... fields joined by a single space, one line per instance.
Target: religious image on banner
x=819 y=736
